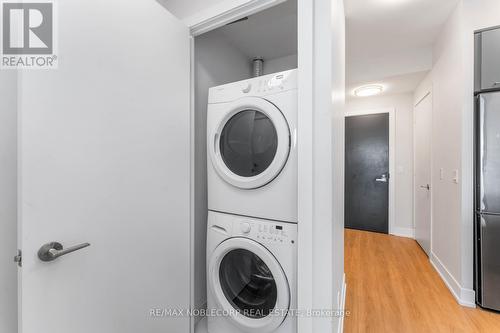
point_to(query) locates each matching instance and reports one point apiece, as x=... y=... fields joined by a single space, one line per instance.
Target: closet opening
x=261 y=44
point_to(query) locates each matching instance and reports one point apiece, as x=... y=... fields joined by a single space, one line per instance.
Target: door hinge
x=19 y=258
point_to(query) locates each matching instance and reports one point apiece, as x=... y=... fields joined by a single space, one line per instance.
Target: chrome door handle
x=382 y=180
x=496 y=84
x=54 y=250
x=427 y=187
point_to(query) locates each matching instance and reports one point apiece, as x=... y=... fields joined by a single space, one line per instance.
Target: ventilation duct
x=258 y=66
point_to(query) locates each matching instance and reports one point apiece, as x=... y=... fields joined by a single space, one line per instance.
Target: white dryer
x=251 y=275
x=252 y=147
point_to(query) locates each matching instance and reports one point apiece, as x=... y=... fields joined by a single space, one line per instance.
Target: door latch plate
x=19 y=258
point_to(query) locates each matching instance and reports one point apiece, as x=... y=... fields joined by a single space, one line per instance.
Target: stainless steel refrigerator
x=487 y=196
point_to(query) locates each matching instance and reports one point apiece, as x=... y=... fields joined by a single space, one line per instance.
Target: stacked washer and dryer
x=252 y=202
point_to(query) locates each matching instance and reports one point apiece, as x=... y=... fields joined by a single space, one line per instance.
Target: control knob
x=245 y=227
x=246 y=88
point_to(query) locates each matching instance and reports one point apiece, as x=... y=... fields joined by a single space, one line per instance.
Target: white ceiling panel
x=388 y=38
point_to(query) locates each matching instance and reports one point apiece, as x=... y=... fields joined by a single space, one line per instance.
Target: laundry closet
x=261 y=44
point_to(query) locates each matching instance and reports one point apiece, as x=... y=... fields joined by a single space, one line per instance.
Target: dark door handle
x=54 y=250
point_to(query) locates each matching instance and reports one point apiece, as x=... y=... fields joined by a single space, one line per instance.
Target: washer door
x=249 y=285
x=251 y=143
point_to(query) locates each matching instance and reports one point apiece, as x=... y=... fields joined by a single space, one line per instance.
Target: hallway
x=392 y=287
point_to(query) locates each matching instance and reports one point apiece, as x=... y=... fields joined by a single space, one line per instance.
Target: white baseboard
x=342 y=304
x=464 y=296
x=403 y=232
x=201 y=326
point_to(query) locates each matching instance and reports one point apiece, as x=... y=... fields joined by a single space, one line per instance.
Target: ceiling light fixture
x=370 y=90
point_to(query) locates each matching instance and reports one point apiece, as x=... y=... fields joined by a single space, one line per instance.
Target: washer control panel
x=272 y=233
x=266 y=231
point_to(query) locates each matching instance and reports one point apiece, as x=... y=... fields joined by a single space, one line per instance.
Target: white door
x=423 y=188
x=105 y=159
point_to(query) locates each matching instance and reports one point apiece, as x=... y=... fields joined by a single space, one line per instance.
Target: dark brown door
x=367 y=172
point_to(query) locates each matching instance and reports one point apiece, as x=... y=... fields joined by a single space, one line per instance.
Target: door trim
x=226 y=12
x=393 y=230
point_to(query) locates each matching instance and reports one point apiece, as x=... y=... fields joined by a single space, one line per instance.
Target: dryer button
x=245 y=227
x=246 y=88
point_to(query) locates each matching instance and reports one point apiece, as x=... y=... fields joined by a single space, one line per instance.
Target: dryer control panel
x=258 y=86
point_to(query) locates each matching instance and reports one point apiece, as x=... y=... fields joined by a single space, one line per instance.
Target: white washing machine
x=252 y=147
x=251 y=275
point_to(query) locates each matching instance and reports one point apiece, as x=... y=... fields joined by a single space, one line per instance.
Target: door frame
x=311 y=48
x=393 y=230
x=426 y=94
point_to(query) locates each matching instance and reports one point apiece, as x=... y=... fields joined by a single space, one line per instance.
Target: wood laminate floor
x=392 y=287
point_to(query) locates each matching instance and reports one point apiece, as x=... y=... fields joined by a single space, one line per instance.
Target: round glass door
x=244 y=276
x=248 y=143
x=248 y=284
x=251 y=143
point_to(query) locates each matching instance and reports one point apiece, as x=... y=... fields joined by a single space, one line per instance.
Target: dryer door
x=251 y=143
x=249 y=285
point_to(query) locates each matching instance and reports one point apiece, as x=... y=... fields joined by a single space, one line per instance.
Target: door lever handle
x=427 y=187
x=382 y=180
x=54 y=250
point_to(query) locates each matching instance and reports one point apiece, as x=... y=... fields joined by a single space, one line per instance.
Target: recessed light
x=370 y=90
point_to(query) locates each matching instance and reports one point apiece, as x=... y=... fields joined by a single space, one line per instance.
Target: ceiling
x=399 y=84
x=270 y=34
x=388 y=39
x=186 y=8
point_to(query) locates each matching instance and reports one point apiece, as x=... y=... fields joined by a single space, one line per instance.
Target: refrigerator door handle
x=481 y=151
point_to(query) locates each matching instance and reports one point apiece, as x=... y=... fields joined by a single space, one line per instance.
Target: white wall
x=446 y=81
x=451 y=81
x=8 y=200
x=217 y=62
x=403 y=104
x=280 y=64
